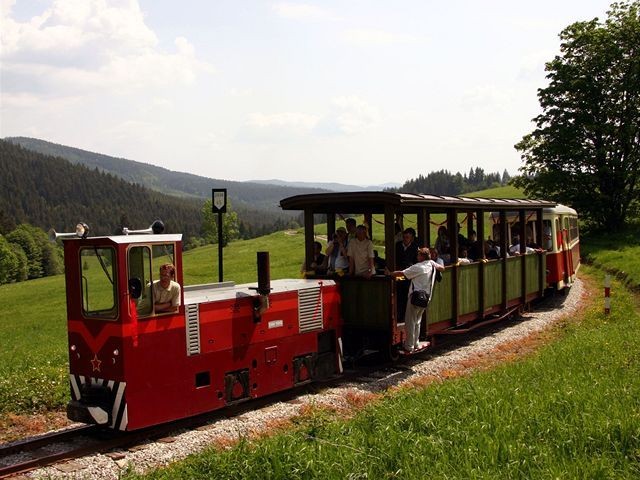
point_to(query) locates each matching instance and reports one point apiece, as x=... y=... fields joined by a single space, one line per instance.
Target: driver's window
x=140 y=268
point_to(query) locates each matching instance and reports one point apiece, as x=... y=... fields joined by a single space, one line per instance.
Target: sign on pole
x=219 y=206
x=219 y=200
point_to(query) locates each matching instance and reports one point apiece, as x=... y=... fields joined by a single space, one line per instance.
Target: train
x=133 y=366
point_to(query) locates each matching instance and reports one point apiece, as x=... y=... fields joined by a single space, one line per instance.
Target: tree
x=585 y=150
x=209 y=230
x=24 y=237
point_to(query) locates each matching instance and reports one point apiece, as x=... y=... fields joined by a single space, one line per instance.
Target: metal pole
x=220 y=247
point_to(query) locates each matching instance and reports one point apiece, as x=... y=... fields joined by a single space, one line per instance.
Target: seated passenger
x=318 y=263
x=442 y=242
x=166 y=292
x=435 y=256
x=492 y=250
x=462 y=240
x=360 y=253
x=379 y=263
x=515 y=248
x=475 y=249
x=462 y=257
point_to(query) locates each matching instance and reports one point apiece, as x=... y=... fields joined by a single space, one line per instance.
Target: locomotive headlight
x=82 y=230
x=73 y=348
x=116 y=352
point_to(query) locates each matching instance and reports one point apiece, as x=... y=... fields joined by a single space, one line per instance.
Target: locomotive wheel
x=393 y=353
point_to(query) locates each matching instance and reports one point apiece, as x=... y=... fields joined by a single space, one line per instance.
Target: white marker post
x=607 y=294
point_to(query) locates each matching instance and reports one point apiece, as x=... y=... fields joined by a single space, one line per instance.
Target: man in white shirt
x=422 y=276
x=360 y=253
x=166 y=292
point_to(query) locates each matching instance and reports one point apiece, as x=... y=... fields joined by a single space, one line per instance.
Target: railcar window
x=573 y=230
x=99 y=293
x=140 y=267
x=547 y=235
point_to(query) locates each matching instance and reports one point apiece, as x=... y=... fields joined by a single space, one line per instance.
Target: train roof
x=376 y=201
x=140 y=238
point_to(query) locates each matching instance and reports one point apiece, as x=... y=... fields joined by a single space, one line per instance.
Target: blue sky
x=359 y=92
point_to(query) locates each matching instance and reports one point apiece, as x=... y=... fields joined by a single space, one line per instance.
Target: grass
x=570 y=410
x=498 y=192
x=619 y=253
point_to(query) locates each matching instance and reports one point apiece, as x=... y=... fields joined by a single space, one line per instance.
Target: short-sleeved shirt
x=164 y=295
x=361 y=251
x=421 y=275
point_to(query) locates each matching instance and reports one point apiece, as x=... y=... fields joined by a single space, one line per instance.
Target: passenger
x=360 y=253
x=433 y=253
x=546 y=237
x=462 y=257
x=337 y=253
x=379 y=263
x=515 y=248
x=422 y=276
x=318 y=263
x=462 y=240
x=166 y=292
x=442 y=243
x=474 y=249
x=492 y=250
x=407 y=249
x=350 y=223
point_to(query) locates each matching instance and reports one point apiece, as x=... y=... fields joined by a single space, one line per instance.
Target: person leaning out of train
x=422 y=276
x=360 y=253
x=166 y=291
x=336 y=253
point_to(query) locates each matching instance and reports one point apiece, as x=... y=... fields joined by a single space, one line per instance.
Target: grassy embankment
x=569 y=410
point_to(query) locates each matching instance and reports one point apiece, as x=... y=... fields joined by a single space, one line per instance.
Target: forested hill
x=47 y=191
x=243 y=195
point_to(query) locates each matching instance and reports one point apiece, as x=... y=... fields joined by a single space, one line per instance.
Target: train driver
x=166 y=291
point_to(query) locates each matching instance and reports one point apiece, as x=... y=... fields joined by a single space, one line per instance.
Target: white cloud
x=302 y=11
x=488 y=96
x=376 y=37
x=297 y=122
x=351 y=115
x=77 y=46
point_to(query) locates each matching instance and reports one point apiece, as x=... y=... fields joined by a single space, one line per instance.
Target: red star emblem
x=95 y=363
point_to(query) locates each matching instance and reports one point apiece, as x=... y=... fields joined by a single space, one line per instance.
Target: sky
x=352 y=91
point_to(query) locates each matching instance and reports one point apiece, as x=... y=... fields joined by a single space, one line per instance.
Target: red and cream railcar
x=131 y=367
x=560 y=238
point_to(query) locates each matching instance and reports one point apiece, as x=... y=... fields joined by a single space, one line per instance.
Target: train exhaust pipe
x=264 y=273
x=261 y=303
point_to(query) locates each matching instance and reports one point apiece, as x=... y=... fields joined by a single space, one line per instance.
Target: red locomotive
x=132 y=366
